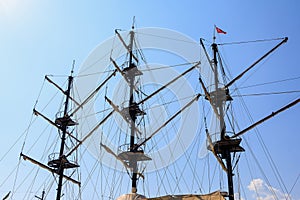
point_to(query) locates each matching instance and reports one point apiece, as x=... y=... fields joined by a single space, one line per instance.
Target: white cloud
x=256 y=184
x=261 y=191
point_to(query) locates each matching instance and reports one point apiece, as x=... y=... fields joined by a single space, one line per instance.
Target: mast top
x=133 y=22
x=72 y=70
x=214 y=36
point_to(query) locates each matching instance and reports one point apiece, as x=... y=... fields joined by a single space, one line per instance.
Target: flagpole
x=214 y=37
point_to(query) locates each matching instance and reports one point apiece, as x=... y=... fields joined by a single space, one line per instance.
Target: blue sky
x=44 y=37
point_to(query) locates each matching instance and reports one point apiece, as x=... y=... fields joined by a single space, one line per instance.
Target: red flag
x=220 y=30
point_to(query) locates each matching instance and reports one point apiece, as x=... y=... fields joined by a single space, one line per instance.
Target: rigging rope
x=169 y=38
x=268 y=155
x=294 y=184
x=170 y=66
x=261 y=170
x=250 y=41
x=267 y=93
x=271 y=82
x=14 y=144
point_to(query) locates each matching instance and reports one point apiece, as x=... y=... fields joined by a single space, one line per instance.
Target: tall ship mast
x=226 y=145
x=131 y=129
x=58 y=163
x=134 y=152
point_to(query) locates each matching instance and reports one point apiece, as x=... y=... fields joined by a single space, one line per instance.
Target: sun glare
x=9 y=7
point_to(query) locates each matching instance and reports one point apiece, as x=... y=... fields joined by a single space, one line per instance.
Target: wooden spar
x=255 y=63
x=120 y=112
x=116 y=66
x=127 y=47
x=54 y=124
x=214 y=152
x=206 y=54
x=168 y=121
x=208 y=97
x=93 y=93
x=48 y=168
x=41 y=198
x=266 y=118
x=89 y=134
x=123 y=74
x=169 y=83
x=59 y=88
x=112 y=153
x=6 y=196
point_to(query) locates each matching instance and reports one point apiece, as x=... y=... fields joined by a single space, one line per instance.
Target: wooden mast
x=225 y=146
x=218 y=98
x=132 y=113
x=58 y=162
x=133 y=153
x=65 y=121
